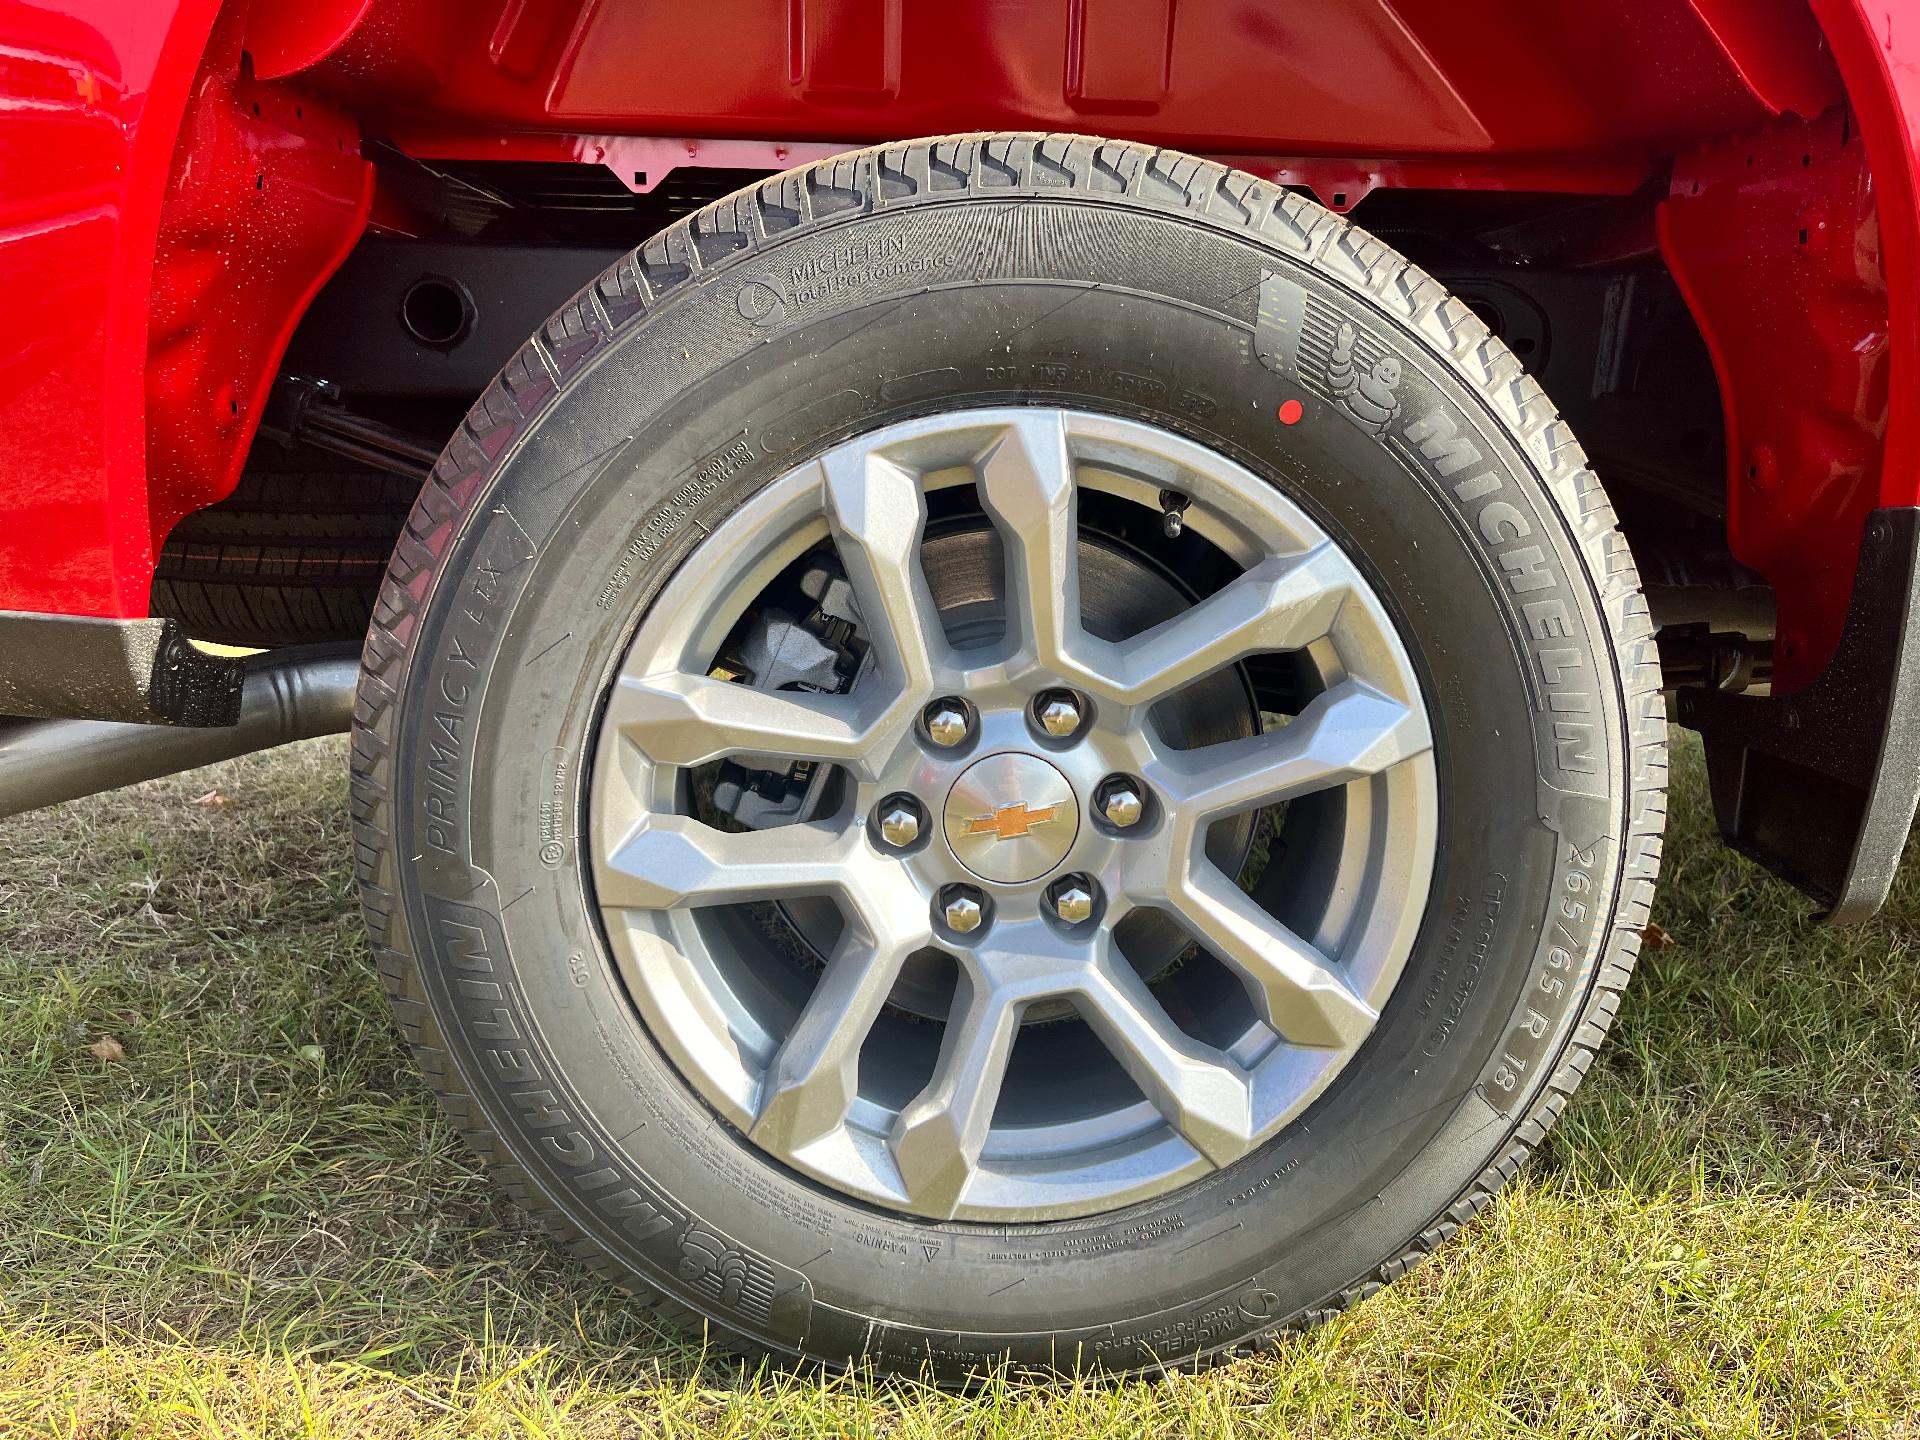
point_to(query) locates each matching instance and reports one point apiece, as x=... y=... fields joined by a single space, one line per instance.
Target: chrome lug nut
x=946 y=722
x=1058 y=712
x=899 y=822
x=1073 y=899
x=960 y=907
x=1121 y=802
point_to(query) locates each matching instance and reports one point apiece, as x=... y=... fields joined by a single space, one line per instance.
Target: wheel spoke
x=816 y=1072
x=681 y=719
x=1284 y=603
x=1026 y=484
x=1297 y=989
x=877 y=513
x=1348 y=733
x=1200 y=1093
x=938 y=1138
x=818 y=1082
x=670 y=860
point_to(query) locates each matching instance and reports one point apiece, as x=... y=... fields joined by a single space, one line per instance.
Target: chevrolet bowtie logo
x=1010 y=822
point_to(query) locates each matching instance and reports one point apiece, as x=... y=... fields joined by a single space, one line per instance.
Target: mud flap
x=1820 y=785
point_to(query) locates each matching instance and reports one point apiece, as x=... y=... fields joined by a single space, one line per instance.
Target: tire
x=673 y=392
x=294 y=556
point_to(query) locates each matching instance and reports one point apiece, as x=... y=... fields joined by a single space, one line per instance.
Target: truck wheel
x=1008 y=748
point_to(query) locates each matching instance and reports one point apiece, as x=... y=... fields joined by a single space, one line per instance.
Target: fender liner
x=1819 y=785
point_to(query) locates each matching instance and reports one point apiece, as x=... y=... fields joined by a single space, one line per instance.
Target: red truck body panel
x=178 y=179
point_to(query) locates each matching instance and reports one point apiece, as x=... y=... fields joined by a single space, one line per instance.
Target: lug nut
x=900 y=822
x=1058 y=712
x=1073 y=899
x=946 y=722
x=1121 y=802
x=960 y=907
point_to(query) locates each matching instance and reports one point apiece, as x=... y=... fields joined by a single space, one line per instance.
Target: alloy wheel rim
x=802 y=1068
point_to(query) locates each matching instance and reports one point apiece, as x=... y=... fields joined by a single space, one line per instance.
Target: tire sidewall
x=569 y=531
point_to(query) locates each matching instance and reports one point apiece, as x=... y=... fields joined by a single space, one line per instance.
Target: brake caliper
x=812 y=644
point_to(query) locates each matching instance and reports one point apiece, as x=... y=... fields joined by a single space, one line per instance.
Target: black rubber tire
x=294 y=556
x=993 y=270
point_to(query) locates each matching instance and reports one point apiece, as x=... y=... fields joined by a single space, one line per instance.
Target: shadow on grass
x=260 y=1164
x=1755 y=1052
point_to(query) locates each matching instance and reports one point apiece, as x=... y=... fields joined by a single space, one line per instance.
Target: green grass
x=254 y=1222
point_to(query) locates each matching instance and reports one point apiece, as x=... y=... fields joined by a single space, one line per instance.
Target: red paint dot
x=1291 y=412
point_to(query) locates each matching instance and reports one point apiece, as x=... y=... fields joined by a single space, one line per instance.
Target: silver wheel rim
x=931 y=1124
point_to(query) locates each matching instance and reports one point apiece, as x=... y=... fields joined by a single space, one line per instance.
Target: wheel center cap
x=1011 y=817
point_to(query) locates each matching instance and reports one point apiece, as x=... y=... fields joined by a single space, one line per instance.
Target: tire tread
x=991 y=165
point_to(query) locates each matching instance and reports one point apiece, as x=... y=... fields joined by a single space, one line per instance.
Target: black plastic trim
x=76 y=667
x=1820 y=785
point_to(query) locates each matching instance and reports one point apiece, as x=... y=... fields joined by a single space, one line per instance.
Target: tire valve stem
x=1173 y=510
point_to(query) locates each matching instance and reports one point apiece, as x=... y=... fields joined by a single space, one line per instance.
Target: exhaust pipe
x=287 y=696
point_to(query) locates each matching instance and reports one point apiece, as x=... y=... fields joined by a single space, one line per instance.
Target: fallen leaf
x=212 y=800
x=107 y=1048
x=1655 y=937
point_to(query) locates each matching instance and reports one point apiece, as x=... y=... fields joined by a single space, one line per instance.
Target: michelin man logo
x=1367 y=393
x=1304 y=339
x=730 y=1275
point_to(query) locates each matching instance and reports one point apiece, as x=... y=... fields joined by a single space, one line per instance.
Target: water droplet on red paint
x=1291 y=412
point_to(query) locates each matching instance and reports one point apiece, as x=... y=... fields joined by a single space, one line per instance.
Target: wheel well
x=1598 y=321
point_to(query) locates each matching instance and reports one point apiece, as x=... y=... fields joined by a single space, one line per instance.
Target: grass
x=245 y=1217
